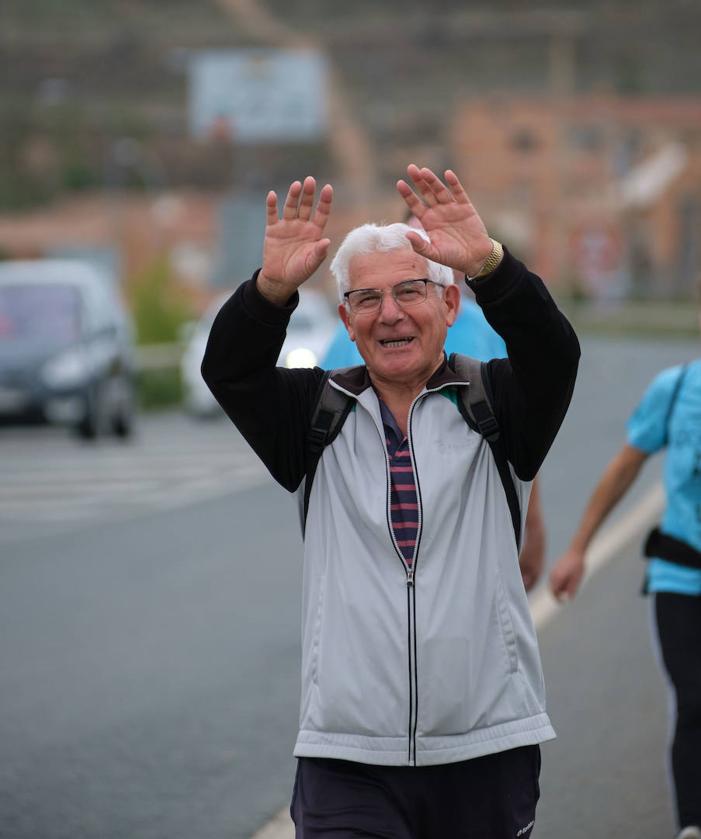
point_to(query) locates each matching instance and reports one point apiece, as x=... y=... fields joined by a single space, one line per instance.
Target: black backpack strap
x=330 y=411
x=475 y=404
x=659 y=544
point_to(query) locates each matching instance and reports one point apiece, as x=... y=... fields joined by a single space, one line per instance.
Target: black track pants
x=491 y=797
x=679 y=627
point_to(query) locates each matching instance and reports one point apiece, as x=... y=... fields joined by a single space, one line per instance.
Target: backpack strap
x=330 y=410
x=475 y=405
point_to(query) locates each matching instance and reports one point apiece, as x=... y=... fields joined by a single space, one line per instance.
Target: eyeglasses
x=365 y=301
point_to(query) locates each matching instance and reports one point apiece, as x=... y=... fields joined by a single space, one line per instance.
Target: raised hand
x=293 y=247
x=458 y=236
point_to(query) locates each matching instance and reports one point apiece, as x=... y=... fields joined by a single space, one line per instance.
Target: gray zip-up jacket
x=439 y=662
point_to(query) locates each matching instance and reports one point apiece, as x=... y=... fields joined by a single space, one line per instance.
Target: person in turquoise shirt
x=668 y=417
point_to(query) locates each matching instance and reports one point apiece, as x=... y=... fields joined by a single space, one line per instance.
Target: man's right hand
x=567 y=574
x=293 y=247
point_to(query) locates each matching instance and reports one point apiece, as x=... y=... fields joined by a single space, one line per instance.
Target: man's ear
x=345 y=317
x=451 y=298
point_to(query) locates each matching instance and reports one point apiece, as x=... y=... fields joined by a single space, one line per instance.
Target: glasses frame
x=393 y=291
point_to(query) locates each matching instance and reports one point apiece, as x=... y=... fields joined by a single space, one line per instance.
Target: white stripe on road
x=94 y=485
x=280 y=827
x=609 y=544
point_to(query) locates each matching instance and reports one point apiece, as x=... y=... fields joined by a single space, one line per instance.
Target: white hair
x=369 y=238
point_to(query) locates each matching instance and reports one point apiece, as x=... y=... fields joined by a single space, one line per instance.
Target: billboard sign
x=258 y=95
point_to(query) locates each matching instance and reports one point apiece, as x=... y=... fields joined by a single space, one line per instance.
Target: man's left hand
x=458 y=236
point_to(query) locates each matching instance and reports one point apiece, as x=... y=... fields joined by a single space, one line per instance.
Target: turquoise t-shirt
x=650 y=429
x=470 y=335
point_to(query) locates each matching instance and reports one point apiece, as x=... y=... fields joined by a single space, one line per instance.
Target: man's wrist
x=491 y=263
x=274 y=292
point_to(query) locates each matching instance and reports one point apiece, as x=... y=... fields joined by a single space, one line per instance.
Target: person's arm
x=533 y=387
x=532 y=556
x=617 y=478
x=270 y=405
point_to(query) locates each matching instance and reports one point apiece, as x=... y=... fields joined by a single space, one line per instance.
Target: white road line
x=139 y=472
x=106 y=489
x=109 y=504
x=609 y=544
x=23 y=469
x=19 y=493
x=279 y=827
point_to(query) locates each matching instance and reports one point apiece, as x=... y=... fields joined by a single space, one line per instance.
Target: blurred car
x=309 y=332
x=66 y=348
x=197 y=397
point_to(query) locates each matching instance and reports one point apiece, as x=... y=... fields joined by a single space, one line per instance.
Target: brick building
x=599 y=193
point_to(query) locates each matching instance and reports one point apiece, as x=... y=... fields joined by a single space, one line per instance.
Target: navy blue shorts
x=490 y=797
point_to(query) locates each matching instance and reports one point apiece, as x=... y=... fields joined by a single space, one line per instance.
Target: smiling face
x=399 y=346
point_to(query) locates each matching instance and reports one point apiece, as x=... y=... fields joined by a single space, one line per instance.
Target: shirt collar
x=389 y=422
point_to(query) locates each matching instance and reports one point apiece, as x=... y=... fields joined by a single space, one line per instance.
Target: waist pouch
x=661 y=545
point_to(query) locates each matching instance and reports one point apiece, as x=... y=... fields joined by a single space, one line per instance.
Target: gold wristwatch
x=492 y=261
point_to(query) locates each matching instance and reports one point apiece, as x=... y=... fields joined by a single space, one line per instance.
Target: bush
x=159 y=388
x=158 y=308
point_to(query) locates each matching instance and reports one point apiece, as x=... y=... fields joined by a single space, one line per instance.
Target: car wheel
x=123 y=418
x=92 y=424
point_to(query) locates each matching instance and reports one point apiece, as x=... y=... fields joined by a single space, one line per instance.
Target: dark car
x=66 y=348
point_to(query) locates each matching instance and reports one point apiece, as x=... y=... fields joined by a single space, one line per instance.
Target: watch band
x=491 y=262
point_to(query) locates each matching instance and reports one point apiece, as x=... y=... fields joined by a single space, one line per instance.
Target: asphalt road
x=149 y=673
x=149 y=606
x=605 y=775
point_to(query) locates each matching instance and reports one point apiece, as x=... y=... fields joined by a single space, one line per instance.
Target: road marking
x=279 y=827
x=610 y=543
x=50 y=481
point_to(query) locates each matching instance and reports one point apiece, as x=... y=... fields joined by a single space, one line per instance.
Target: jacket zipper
x=411 y=588
x=414 y=718
x=411 y=604
x=410 y=572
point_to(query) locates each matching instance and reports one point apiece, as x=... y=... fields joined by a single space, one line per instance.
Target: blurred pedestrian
x=422 y=692
x=669 y=418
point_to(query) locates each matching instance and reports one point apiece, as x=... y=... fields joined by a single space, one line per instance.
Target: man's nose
x=390 y=310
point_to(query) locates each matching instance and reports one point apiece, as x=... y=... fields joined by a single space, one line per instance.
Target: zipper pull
x=410 y=577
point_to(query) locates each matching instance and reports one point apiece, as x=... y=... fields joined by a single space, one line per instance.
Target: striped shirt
x=404 y=507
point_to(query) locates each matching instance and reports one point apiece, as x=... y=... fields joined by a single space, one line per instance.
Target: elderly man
x=470 y=334
x=422 y=693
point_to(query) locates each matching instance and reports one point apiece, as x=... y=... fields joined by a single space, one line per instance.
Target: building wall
x=548 y=175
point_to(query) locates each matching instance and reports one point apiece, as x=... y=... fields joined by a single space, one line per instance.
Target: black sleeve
x=532 y=388
x=271 y=406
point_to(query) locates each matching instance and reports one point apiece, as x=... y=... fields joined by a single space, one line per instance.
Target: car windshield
x=34 y=313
